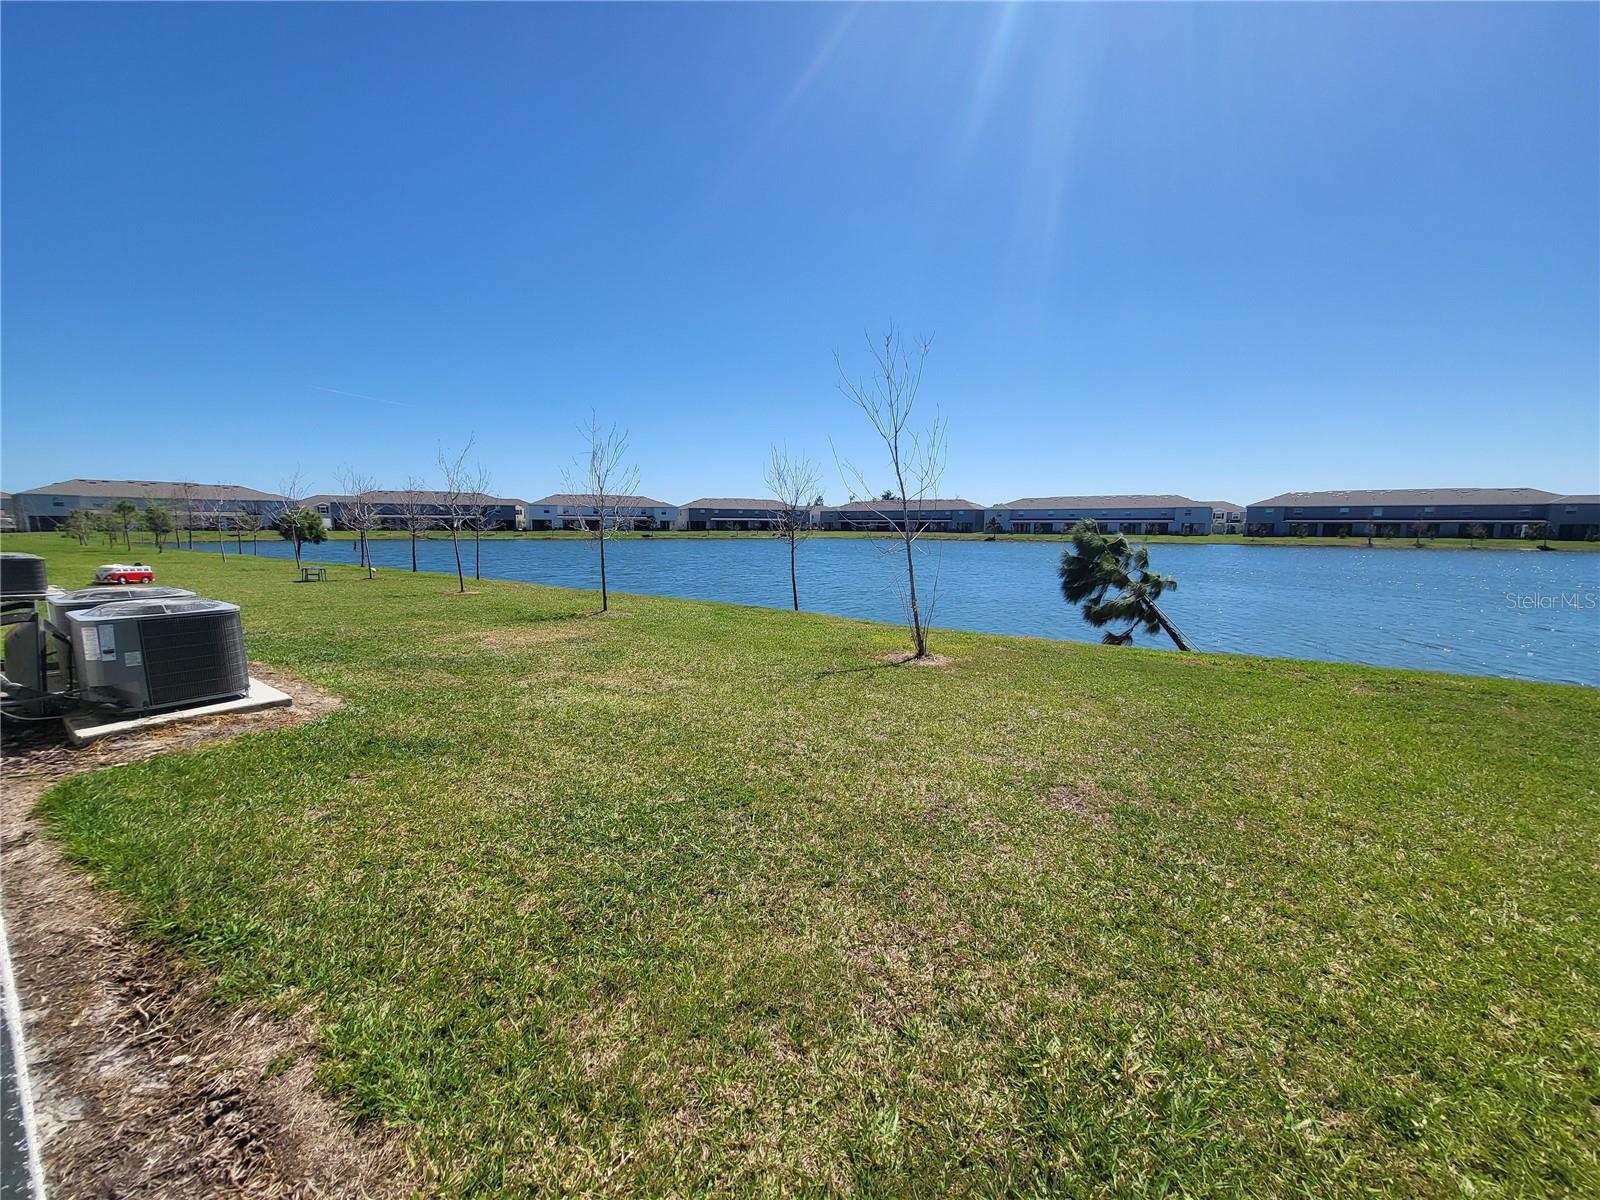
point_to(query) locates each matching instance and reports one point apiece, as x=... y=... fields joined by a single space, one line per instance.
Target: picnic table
x=313 y=574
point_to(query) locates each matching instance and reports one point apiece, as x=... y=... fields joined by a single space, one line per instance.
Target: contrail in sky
x=362 y=396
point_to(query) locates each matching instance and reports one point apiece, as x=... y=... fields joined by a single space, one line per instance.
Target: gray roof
x=1223 y=505
x=1412 y=496
x=161 y=488
x=1576 y=500
x=586 y=501
x=883 y=506
x=1159 y=501
x=733 y=502
x=393 y=497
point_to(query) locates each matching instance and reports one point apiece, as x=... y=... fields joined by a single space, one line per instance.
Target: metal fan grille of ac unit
x=22 y=576
x=193 y=656
x=94 y=597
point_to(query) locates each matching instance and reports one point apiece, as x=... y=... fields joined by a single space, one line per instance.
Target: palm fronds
x=1112 y=582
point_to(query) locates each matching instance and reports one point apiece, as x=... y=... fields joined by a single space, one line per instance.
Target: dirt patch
x=41 y=750
x=1081 y=799
x=520 y=637
x=143 y=1085
x=910 y=659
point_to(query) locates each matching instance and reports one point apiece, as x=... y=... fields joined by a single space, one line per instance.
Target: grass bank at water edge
x=702 y=899
x=144 y=541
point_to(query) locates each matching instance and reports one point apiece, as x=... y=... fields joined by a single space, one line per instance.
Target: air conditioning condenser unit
x=142 y=656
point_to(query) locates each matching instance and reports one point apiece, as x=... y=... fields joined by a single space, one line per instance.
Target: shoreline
x=1155 y=539
x=279 y=554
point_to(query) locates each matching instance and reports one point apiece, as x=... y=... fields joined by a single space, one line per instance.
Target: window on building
x=1344 y=509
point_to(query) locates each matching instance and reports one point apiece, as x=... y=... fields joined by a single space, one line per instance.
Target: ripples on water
x=1482 y=612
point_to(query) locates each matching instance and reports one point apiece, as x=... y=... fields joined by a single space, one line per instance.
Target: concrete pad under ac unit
x=83 y=728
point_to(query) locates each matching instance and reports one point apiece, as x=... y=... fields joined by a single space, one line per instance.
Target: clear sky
x=1218 y=250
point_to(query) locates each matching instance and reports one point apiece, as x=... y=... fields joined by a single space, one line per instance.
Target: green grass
x=712 y=900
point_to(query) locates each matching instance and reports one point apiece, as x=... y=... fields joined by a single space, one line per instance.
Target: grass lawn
x=711 y=899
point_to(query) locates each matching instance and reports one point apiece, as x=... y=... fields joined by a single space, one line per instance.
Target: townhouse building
x=885 y=516
x=1140 y=514
x=423 y=510
x=1575 y=518
x=193 y=505
x=565 y=510
x=1226 y=516
x=1400 y=512
x=738 y=514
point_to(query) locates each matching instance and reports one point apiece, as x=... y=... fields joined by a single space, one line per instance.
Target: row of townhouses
x=1428 y=512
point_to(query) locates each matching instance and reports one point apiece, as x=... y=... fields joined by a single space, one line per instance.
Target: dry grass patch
x=909 y=658
x=521 y=637
x=1083 y=799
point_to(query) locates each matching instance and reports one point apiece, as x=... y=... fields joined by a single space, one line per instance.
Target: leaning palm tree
x=1113 y=582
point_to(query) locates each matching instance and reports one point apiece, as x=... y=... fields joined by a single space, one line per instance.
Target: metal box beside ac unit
x=143 y=655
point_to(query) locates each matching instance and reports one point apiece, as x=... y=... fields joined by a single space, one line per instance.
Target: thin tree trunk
x=604 y=599
x=477 y=553
x=1168 y=627
x=919 y=638
x=461 y=575
x=917 y=634
x=413 y=548
x=794 y=579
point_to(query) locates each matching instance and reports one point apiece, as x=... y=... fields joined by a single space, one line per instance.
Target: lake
x=1480 y=612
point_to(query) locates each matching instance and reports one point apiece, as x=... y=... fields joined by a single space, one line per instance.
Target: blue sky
x=1217 y=250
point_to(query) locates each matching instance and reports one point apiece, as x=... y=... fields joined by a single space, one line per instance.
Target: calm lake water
x=1483 y=612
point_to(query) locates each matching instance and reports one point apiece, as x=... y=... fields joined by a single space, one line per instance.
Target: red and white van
x=123 y=573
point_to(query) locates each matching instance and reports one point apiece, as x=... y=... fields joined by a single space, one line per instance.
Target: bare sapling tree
x=291 y=514
x=481 y=512
x=188 y=500
x=793 y=483
x=124 y=512
x=453 y=500
x=916 y=456
x=218 y=518
x=248 y=522
x=359 y=511
x=604 y=483
x=414 y=517
x=105 y=521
